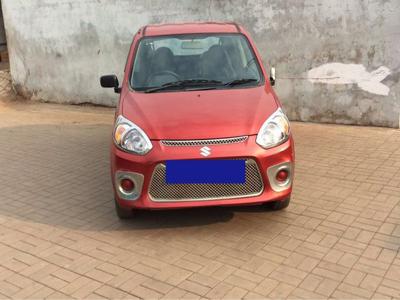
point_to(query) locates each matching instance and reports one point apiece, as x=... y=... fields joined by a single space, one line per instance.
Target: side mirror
x=272 y=77
x=110 y=81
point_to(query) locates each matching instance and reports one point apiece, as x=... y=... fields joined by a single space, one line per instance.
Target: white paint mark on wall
x=338 y=73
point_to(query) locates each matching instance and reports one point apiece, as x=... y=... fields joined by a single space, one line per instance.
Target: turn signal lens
x=120 y=130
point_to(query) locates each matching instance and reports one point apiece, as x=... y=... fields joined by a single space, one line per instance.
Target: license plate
x=206 y=171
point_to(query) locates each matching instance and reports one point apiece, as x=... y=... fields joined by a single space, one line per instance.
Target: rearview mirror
x=272 y=77
x=110 y=81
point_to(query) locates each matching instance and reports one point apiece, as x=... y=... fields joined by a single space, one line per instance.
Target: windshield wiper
x=240 y=81
x=183 y=84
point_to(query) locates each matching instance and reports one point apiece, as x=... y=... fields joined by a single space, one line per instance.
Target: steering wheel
x=165 y=72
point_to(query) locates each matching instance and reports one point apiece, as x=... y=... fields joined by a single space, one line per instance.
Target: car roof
x=188 y=28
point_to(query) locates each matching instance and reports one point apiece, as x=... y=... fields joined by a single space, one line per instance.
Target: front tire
x=277 y=205
x=123 y=213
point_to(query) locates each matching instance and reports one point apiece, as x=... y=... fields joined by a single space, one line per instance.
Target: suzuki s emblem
x=205 y=151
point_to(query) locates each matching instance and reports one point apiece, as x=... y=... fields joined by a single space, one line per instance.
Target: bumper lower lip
x=141 y=169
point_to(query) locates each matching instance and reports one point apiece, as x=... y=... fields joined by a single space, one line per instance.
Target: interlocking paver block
x=60 y=238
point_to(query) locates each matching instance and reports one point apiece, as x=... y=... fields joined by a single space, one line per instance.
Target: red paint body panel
x=207 y=114
x=188 y=28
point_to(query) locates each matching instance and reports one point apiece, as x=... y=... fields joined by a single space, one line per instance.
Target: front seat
x=216 y=64
x=163 y=60
x=162 y=63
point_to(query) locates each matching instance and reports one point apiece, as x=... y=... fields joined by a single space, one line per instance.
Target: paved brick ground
x=59 y=236
x=5 y=82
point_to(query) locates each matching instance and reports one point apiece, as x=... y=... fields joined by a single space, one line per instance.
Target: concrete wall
x=59 y=48
x=3 y=40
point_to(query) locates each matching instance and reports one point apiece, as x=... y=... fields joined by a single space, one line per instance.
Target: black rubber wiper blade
x=200 y=88
x=164 y=86
x=240 y=81
x=184 y=83
x=201 y=81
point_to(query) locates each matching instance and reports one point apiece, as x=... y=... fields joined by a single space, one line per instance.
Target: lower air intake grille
x=161 y=191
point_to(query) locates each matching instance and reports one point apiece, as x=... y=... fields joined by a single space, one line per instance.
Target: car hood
x=199 y=114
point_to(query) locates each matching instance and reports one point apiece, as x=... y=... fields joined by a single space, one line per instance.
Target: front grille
x=161 y=191
x=224 y=141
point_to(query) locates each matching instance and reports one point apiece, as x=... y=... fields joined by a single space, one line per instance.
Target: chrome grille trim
x=186 y=143
x=159 y=191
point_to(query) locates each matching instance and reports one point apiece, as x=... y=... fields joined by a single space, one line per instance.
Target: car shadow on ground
x=188 y=217
x=146 y=219
x=60 y=177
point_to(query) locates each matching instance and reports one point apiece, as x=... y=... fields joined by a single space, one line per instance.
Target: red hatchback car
x=197 y=123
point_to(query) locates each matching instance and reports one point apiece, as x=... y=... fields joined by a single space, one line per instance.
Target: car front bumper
x=141 y=168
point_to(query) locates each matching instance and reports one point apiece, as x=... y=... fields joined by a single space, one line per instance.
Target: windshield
x=182 y=61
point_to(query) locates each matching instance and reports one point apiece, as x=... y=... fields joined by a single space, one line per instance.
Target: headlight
x=129 y=137
x=274 y=131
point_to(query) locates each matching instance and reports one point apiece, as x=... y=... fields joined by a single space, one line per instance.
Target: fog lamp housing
x=128 y=185
x=280 y=176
